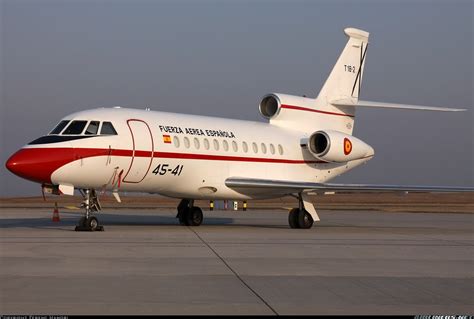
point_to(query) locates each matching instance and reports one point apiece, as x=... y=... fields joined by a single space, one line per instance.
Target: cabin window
x=245 y=147
x=264 y=148
x=234 y=146
x=107 y=129
x=176 y=141
x=280 y=149
x=93 y=128
x=206 y=143
x=225 y=145
x=255 y=147
x=272 y=149
x=59 y=127
x=76 y=128
x=197 y=145
x=186 y=142
x=216 y=144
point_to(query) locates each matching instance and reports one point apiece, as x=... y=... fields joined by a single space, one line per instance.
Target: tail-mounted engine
x=304 y=114
x=334 y=146
x=269 y=106
x=272 y=104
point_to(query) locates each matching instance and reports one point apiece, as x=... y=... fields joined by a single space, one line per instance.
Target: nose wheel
x=91 y=205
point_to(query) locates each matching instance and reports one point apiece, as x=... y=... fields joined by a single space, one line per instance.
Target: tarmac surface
x=352 y=262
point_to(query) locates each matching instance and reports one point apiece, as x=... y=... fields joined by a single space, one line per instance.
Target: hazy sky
x=220 y=57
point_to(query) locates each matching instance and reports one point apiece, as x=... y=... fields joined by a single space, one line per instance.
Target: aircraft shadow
x=70 y=220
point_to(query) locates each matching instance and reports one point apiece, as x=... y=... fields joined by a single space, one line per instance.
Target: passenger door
x=142 y=157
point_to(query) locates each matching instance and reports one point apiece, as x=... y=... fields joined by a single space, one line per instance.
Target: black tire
x=305 y=221
x=92 y=223
x=82 y=222
x=183 y=204
x=183 y=216
x=293 y=218
x=194 y=216
x=183 y=211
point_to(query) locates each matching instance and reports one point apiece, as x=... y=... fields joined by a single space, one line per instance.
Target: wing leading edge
x=295 y=186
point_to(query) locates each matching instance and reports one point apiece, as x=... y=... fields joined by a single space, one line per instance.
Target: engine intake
x=319 y=143
x=269 y=106
x=335 y=146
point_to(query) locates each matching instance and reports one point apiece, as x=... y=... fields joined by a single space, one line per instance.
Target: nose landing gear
x=91 y=205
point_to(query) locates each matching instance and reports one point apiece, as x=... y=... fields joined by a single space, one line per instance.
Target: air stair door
x=142 y=157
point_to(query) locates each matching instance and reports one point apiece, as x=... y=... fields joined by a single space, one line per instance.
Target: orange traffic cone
x=56 y=213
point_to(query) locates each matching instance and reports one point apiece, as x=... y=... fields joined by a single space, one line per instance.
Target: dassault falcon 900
x=306 y=142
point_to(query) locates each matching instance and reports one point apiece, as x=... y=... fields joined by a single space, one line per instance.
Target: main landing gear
x=91 y=205
x=299 y=217
x=188 y=214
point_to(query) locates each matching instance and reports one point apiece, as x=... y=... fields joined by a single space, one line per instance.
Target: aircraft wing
x=384 y=105
x=295 y=186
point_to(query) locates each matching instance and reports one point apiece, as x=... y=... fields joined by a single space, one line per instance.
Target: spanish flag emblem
x=167 y=139
x=347 y=146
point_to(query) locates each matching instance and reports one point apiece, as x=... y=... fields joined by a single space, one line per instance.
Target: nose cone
x=33 y=164
x=11 y=163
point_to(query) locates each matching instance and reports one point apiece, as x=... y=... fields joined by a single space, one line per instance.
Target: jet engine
x=271 y=105
x=335 y=146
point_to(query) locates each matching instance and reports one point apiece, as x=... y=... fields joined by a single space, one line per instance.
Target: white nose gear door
x=142 y=157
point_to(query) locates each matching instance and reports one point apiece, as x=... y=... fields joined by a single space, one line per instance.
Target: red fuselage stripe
x=85 y=152
x=299 y=108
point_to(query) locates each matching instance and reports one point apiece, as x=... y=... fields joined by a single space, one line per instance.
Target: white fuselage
x=193 y=162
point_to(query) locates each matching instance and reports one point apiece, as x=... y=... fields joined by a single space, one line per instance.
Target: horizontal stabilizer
x=348 y=102
x=295 y=186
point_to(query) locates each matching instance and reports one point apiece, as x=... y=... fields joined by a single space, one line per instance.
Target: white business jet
x=305 y=143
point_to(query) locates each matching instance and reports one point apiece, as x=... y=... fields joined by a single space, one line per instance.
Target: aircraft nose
x=32 y=164
x=10 y=164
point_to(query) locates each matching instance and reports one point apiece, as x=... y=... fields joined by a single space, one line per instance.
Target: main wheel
x=183 y=216
x=293 y=218
x=183 y=211
x=194 y=216
x=92 y=223
x=305 y=220
x=82 y=222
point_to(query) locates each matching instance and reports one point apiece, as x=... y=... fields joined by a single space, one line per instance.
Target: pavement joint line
x=234 y=272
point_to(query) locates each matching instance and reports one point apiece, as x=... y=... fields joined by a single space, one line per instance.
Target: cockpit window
x=107 y=129
x=59 y=127
x=92 y=128
x=76 y=127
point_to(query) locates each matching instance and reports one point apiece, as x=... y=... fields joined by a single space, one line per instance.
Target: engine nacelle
x=269 y=106
x=272 y=104
x=334 y=146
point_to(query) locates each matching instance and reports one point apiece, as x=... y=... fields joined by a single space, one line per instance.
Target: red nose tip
x=33 y=164
x=10 y=164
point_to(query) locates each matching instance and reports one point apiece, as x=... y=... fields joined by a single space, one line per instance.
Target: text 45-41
x=164 y=169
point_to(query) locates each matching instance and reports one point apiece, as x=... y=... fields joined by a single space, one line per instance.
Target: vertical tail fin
x=326 y=111
x=345 y=79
